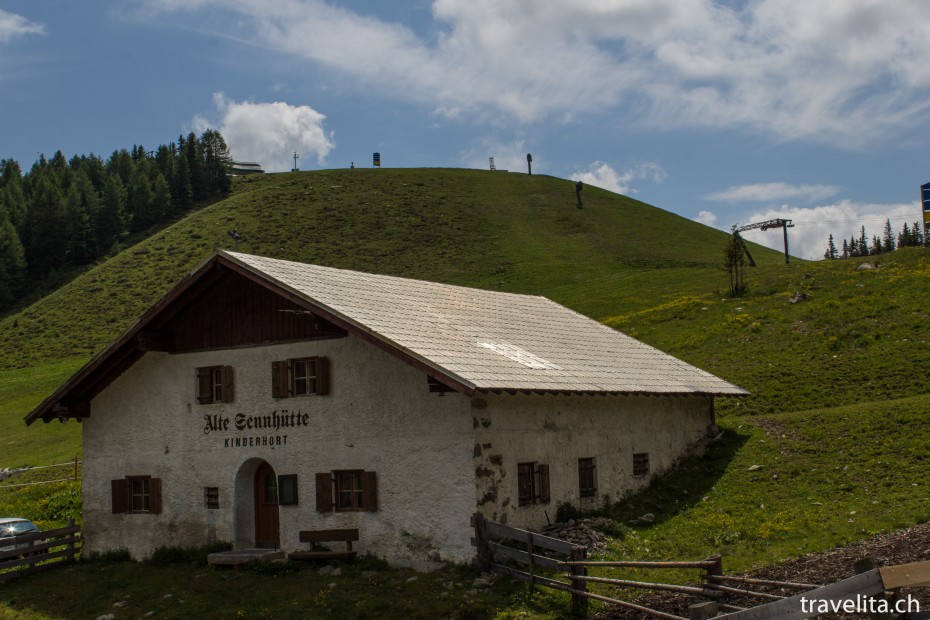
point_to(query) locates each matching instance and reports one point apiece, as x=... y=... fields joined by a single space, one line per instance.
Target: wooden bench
x=324 y=536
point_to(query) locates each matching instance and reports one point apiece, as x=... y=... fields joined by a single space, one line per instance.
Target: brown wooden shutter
x=322 y=375
x=543 y=471
x=369 y=491
x=155 y=495
x=229 y=387
x=119 y=495
x=204 y=386
x=279 y=380
x=324 y=492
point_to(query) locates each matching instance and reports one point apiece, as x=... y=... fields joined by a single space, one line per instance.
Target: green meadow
x=832 y=445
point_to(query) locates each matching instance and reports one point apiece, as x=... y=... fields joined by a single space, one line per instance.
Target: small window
x=214 y=385
x=287 y=490
x=532 y=483
x=307 y=376
x=136 y=494
x=140 y=498
x=211 y=497
x=641 y=464
x=587 y=483
x=347 y=490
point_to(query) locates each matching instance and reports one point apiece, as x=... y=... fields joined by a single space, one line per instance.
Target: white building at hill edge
x=262 y=397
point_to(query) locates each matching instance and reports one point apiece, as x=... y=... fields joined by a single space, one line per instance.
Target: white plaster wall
x=379 y=416
x=558 y=430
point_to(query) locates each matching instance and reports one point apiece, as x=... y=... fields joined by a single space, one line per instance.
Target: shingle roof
x=487 y=339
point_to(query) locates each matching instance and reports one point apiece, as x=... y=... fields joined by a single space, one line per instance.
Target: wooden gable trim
x=110 y=363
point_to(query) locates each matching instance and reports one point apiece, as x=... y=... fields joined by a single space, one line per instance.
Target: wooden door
x=267 y=531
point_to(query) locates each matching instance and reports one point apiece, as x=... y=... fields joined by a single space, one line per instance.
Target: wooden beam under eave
x=64 y=411
x=155 y=341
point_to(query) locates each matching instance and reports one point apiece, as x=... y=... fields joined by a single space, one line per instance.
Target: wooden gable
x=238 y=312
x=217 y=307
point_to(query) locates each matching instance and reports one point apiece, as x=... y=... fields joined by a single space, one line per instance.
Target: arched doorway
x=265 y=497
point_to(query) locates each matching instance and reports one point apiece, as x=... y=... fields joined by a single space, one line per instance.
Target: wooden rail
x=40 y=551
x=871 y=582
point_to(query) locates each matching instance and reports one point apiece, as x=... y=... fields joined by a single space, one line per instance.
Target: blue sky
x=724 y=112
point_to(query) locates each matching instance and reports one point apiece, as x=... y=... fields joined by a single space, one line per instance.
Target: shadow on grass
x=683 y=487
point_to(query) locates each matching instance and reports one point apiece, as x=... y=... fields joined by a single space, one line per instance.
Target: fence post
x=579 y=601
x=481 y=541
x=529 y=551
x=70 y=546
x=864 y=565
x=702 y=611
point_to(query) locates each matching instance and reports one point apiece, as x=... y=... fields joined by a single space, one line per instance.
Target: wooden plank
x=704 y=564
x=36 y=559
x=905 y=575
x=648 y=585
x=496 y=530
x=37 y=545
x=519 y=555
x=558 y=585
x=865 y=584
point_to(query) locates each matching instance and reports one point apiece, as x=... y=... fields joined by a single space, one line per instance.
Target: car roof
x=5 y=520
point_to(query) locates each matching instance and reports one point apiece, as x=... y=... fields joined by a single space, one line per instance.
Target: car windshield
x=17 y=528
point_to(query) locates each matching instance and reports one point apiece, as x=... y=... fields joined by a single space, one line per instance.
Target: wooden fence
x=40 y=551
x=533 y=552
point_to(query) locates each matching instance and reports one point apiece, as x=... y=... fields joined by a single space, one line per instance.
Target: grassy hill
x=836 y=421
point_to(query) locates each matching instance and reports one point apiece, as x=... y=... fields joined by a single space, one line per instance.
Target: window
x=287 y=490
x=136 y=494
x=307 y=376
x=214 y=384
x=211 y=497
x=641 y=464
x=587 y=484
x=532 y=483
x=347 y=490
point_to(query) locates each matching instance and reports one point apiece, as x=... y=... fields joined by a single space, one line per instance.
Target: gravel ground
x=900 y=547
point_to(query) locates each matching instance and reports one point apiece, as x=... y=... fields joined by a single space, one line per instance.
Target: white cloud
x=269 y=133
x=774 y=192
x=603 y=175
x=13 y=25
x=813 y=226
x=850 y=72
x=707 y=218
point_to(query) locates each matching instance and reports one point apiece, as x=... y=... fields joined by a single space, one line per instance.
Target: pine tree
x=831 y=253
x=11 y=193
x=888 y=238
x=81 y=207
x=217 y=162
x=845 y=249
x=162 y=195
x=918 y=233
x=120 y=163
x=183 y=191
x=876 y=247
x=904 y=237
x=111 y=220
x=12 y=261
x=863 y=243
x=142 y=208
x=45 y=241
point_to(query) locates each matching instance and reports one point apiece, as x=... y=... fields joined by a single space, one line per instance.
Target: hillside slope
x=495 y=230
